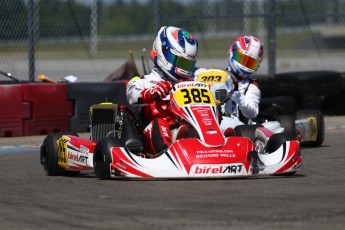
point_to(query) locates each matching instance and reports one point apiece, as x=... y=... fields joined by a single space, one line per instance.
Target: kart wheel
x=49 y=154
x=320 y=126
x=276 y=140
x=102 y=157
x=288 y=123
x=246 y=131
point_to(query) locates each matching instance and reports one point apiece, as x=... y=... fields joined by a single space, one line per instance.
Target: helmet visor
x=245 y=59
x=180 y=62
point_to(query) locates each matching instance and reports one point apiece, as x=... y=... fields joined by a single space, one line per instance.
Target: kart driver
x=174 y=54
x=244 y=58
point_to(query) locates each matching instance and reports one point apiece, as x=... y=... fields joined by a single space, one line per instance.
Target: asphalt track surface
x=312 y=199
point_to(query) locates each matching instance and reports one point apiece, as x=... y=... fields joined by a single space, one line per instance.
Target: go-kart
x=114 y=149
x=307 y=126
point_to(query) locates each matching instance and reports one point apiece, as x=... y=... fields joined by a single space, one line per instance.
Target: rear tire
x=102 y=157
x=288 y=123
x=49 y=154
x=320 y=126
x=246 y=131
x=276 y=140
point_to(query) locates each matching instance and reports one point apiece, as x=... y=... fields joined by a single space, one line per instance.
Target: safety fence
x=89 y=38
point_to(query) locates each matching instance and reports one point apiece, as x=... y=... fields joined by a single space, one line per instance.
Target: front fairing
x=75 y=153
x=188 y=158
x=193 y=101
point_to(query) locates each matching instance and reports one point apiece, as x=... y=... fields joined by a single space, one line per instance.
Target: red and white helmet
x=175 y=52
x=245 y=56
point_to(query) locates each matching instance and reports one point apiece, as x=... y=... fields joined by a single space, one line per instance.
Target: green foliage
x=63 y=18
x=123 y=18
x=70 y=19
x=13 y=24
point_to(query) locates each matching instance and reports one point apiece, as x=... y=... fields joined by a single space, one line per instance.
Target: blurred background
x=91 y=38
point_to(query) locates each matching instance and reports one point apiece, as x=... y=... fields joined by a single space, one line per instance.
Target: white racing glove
x=236 y=96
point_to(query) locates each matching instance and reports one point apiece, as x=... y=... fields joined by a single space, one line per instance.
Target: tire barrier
x=42 y=108
x=309 y=88
x=267 y=86
x=85 y=94
x=13 y=110
x=335 y=104
x=50 y=109
x=309 y=82
x=302 y=83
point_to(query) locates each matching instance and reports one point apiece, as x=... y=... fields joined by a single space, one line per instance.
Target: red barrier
x=50 y=108
x=13 y=110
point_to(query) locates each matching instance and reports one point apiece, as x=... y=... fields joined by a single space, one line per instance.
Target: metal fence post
x=93 y=26
x=271 y=38
x=157 y=15
x=31 y=34
x=246 y=19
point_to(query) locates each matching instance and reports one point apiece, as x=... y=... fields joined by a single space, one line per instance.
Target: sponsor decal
x=215 y=153
x=84 y=149
x=209 y=155
x=121 y=165
x=205 y=115
x=192 y=84
x=165 y=132
x=77 y=157
x=211 y=132
x=229 y=169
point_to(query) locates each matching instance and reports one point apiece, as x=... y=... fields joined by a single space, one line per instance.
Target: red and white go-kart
x=206 y=154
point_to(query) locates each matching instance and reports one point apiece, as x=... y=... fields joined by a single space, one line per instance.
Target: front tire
x=102 y=157
x=49 y=154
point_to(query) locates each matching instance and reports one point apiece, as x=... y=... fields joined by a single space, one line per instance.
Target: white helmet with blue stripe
x=175 y=51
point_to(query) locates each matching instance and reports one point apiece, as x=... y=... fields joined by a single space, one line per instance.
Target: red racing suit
x=157 y=135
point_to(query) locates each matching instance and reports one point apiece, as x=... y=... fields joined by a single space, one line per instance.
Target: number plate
x=193 y=96
x=212 y=76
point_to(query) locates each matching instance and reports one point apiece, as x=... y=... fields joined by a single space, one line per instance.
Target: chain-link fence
x=91 y=38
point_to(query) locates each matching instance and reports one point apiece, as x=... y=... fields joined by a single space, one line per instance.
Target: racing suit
x=157 y=135
x=243 y=100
